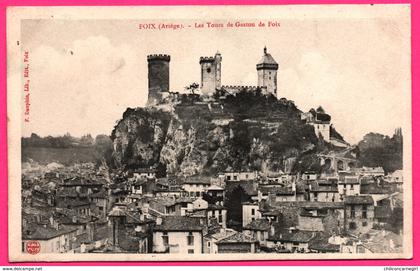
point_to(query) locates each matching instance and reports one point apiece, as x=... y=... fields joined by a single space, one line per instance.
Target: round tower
x=158 y=76
x=267 y=73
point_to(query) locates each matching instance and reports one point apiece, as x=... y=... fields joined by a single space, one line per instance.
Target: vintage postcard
x=209 y=133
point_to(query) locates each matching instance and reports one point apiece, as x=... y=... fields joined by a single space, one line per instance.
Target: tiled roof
x=309 y=204
x=321 y=244
x=294 y=236
x=323 y=187
x=197 y=180
x=80 y=181
x=267 y=59
x=76 y=203
x=238 y=237
x=214 y=187
x=276 y=190
x=179 y=223
x=349 y=180
x=258 y=224
x=365 y=200
x=41 y=232
x=184 y=199
x=116 y=212
x=222 y=233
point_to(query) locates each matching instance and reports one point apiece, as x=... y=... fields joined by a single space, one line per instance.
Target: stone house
x=358 y=213
x=178 y=234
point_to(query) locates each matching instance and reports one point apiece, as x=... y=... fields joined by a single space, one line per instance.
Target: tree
x=377 y=150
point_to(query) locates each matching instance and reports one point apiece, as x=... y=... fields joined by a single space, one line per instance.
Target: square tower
x=267 y=73
x=211 y=74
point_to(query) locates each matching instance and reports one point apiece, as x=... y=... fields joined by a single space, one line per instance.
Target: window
x=352 y=212
x=191 y=251
x=235 y=177
x=364 y=223
x=23 y=246
x=364 y=211
x=220 y=217
x=352 y=225
x=190 y=239
x=208 y=244
x=165 y=238
x=197 y=194
x=252 y=211
x=228 y=178
x=208 y=70
x=351 y=187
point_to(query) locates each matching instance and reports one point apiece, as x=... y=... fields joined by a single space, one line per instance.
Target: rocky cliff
x=243 y=132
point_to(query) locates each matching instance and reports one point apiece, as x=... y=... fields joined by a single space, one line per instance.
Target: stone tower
x=211 y=74
x=158 y=75
x=267 y=73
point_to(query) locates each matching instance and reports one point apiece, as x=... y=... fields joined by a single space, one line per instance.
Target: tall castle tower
x=158 y=75
x=267 y=73
x=211 y=74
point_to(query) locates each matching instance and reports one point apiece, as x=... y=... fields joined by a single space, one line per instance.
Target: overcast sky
x=84 y=74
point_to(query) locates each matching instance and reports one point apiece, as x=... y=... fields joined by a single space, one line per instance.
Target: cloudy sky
x=85 y=73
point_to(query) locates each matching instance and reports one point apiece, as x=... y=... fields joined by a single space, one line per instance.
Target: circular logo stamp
x=33 y=247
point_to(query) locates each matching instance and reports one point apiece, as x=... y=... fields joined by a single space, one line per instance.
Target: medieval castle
x=211 y=80
x=211 y=76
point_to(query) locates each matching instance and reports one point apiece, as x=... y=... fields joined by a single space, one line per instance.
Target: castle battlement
x=239 y=88
x=206 y=59
x=158 y=57
x=267 y=66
